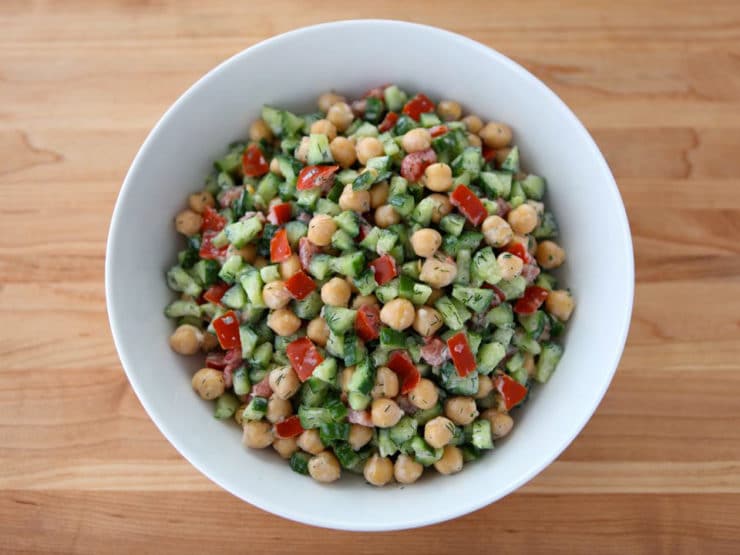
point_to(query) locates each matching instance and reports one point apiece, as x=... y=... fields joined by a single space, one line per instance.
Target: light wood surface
x=657 y=470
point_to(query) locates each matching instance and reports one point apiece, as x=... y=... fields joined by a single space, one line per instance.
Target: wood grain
x=657 y=469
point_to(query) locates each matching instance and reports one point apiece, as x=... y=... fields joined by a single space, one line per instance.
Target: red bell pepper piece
x=367 y=323
x=518 y=249
x=384 y=268
x=389 y=121
x=462 y=356
x=417 y=106
x=253 y=162
x=280 y=213
x=315 y=176
x=304 y=357
x=227 y=331
x=532 y=299
x=212 y=220
x=214 y=293
x=414 y=164
x=400 y=362
x=300 y=285
x=438 y=130
x=279 y=247
x=511 y=390
x=469 y=204
x=208 y=250
x=290 y=427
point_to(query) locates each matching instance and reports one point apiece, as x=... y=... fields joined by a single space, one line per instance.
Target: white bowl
x=291 y=70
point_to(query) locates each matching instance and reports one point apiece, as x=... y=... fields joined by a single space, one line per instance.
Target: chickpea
x=424 y=395
x=426 y=241
x=451 y=461
x=501 y=423
x=257 y=434
x=427 y=321
x=359 y=201
x=335 y=292
x=346 y=376
x=276 y=295
x=209 y=383
x=199 y=201
x=439 y=431
x=324 y=127
x=496 y=231
x=301 y=151
x=485 y=386
x=186 y=340
x=398 y=314
x=310 y=442
x=550 y=255
x=290 y=266
x=368 y=147
x=416 y=139
x=449 y=110
x=247 y=252
x=260 y=262
x=442 y=206
x=523 y=219
x=560 y=304
x=502 y=154
x=438 y=272
x=379 y=194
x=275 y=167
x=340 y=114
x=461 y=410
x=260 y=131
x=472 y=123
x=386 y=383
x=188 y=222
x=329 y=99
x=278 y=409
x=407 y=470
x=284 y=382
x=496 y=135
x=320 y=229
x=438 y=177
x=210 y=342
x=359 y=436
x=285 y=447
x=364 y=300
x=510 y=265
x=385 y=413
x=378 y=470
x=343 y=152
x=474 y=140
x=318 y=331
x=283 y=322
x=386 y=216
x=324 y=467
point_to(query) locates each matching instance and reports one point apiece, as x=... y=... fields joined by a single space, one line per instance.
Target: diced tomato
x=469 y=204
x=300 y=285
x=511 y=390
x=280 y=213
x=488 y=153
x=227 y=330
x=361 y=417
x=216 y=360
x=233 y=360
x=212 y=220
x=208 y=250
x=214 y=293
x=290 y=427
x=304 y=357
x=518 y=249
x=253 y=162
x=377 y=92
x=230 y=195
x=262 y=388
x=530 y=272
x=367 y=323
x=384 y=268
x=306 y=250
x=388 y=122
x=438 y=130
x=315 y=176
x=417 y=106
x=414 y=164
x=533 y=298
x=462 y=356
x=400 y=362
x=279 y=247
x=435 y=351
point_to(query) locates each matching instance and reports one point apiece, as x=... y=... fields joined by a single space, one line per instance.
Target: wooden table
x=657 y=470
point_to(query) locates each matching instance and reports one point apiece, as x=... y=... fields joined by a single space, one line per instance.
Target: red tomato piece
x=518 y=249
x=290 y=427
x=315 y=176
x=300 y=285
x=253 y=162
x=304 y=357
x=435 y=351
x=400 y=362
x=214 y=293
x=367 y=323
x=280 y=213
x=306 y=250
x=511 y=390
x=279 y=247
x=414 y=164
x=438 y=130
x=216 y=360
x=533 y=298
x=489 y=153
x=208 y=250
x=227 y=331
x=384 y=268
x=388 y=122
x=462 y=356
x=417 y=106
x=262 y=389
x=212 y=220
x=469 y=204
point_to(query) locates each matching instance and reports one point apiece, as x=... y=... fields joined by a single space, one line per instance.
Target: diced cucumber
x=205 y=272
x=452 y=382
x=318 y=150
x=313 y=392
x=299 y=462
x=242 y=385
x=180 y=280
x=363 y=378
x=295 y=230
x=425 y=415
x=517 y=195
x=546 y=281
x=366 y=129
x=349 y=222
x=226 y=406
x=452 y=224
x=403 y=204
x=463 y=267
x=181 y=309
x=326 y=371
x=354 y=350
x=547 y=361
x=511 y=162
x=370 y=242
x=503 y=335
x=365 y=282
x=386 y=241
x=349 y=265
x=501 y=315
x=308 y=198
x=281 y=122
x=478 y=300
x=358 y=401
x=339 y=319
x=533 y=324
x=534 y=186
x=489 y=356
x=308 y=307
x=404 y=125
x=422 y=213
x=388 y=291
x=262 y=355
x=429 y=119
x=395 y=98
x=248 y=339
x=332 y=432
x=231 y=268
x=270 y=273
x=341 y=240
x=497 y=184
x=386 y=446
x=398 y=186
x=391 y=339
x=424 y=453
x=513 y=288
x=325 y=206
x=335 y=345
x=482 y=434
x=320 y=266
x=526 y=343
x=251 y=281
x=547 y=228
x=235 y=297
x=469 y=162
x=453 y=318
x=256 y=409
x=403 y=431
x=374 y=109
x=412 y=269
